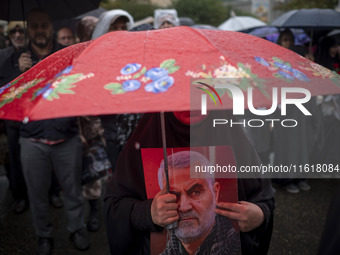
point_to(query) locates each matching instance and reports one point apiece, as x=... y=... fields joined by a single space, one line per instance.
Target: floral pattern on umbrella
x=324 y=73
x=156 y=79
x=16 y=92
x=282 y=69
x=62 y=83
x=241 y=76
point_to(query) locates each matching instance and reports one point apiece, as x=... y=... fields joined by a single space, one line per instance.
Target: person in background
x=65 y=36
x=85 y=28
x=3 y=38
x=9 y=69
x=329 y=136
x=115 y=126
x=16 y=34
x=293 y=145
x=286 y=39
x=8 y=60
x=91 y=135
x=165 y=18
x=327 y=54
x=48 y=146
x=90 y=129
x=114 y=20
x=330 y=239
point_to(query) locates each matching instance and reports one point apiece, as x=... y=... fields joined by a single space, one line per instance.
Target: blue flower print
x=261 y=61
x=156 y=73
x=131 y=85
x=5 y=87
x=283 y=66
x=150 y=88
x=67 y=70
x=286 y=75
x=43 y=90
x=47 y=93
x=130 y=68
x=300 y=75
x=161 y=85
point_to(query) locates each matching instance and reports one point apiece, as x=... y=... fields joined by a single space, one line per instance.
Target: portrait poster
x=216 y=156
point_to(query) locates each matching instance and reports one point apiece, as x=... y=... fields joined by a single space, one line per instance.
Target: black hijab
x=127 y=209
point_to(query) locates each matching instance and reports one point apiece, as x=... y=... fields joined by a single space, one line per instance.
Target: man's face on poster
x=196 y=199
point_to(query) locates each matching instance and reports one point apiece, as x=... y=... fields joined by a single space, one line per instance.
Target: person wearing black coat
x=128 y=211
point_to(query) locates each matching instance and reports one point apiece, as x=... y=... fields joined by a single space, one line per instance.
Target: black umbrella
x=312 y=19
x=72 y=23
x=57 y=9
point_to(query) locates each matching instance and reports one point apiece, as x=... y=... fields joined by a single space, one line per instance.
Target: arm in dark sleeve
x=141 y=218
x=129 y=224
x=261 y=193
x=128 y=211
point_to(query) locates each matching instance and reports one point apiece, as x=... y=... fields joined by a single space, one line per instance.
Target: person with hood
x=117 y=128
x=131 y=217
x=165 y=18
x=113 y=125
x=114 y=20
x=85 y=28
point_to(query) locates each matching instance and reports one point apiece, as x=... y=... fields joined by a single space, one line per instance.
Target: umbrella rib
x=205 y=38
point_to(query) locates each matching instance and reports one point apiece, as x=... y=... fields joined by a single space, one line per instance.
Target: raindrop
x=25 y=121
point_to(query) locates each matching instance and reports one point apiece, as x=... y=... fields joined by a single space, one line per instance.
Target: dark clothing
x=10 y=68
x=49 y=146
x=16 y=177
x=3 y=40
x=117 y=130
x=329 y=139
x=49 y=129
x=128 y=213
x=222 y=240
x=5 y=54
x=38 y=162
x=52 y=129
x=330 y=239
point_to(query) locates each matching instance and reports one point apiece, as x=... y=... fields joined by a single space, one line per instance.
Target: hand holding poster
x=192 y=202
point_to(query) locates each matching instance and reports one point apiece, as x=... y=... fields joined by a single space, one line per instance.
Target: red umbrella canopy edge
x=152 y=71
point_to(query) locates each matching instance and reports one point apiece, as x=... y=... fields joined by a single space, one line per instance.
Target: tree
x=211 y=12
x=136 y=9
x=306 y=4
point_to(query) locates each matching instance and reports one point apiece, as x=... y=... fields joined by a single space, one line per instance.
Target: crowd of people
x=54 y=156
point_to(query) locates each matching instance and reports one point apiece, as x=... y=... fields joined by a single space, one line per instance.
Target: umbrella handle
x=165 y=153
x=175 y=224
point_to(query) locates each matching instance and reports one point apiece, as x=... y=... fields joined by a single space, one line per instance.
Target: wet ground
x=299 y=222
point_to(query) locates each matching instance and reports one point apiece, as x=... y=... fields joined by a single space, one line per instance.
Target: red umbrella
x=151 y=71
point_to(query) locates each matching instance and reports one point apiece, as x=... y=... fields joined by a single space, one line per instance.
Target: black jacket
x=128 y=211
